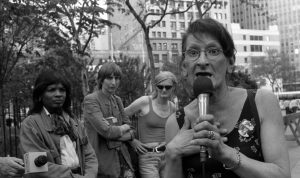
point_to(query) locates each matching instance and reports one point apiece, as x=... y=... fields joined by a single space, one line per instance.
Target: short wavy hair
x=45 y=78
x=215 y=29
x=108 y=69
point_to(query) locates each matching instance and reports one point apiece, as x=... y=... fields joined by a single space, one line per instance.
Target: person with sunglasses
x=108 y=127
x=243 y=132
x=152 y=112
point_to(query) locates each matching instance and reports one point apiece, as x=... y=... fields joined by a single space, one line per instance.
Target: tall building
x=288 y=21
x=259 y=14
x=166 y=36
x=253 y=44
x=250 y=15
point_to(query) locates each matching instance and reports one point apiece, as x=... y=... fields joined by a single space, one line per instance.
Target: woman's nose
x=202 y=59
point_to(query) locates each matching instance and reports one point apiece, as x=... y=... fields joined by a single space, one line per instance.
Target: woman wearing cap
x=153 y=112
x=52 y=128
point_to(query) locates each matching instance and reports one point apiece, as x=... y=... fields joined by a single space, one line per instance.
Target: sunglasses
x=161 y=87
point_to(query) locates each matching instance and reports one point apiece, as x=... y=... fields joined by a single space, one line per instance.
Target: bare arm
x=136 y=106
x=178 y=144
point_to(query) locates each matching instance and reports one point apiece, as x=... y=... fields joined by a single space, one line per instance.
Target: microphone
x=35 y=162
x=40 y=160
x=202 y=87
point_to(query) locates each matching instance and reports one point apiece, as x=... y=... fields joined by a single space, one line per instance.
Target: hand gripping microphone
x=202 y=87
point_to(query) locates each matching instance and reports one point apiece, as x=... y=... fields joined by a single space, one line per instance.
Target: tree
x=142 y=14
x=78 y=21
x=272 y=68
x=134 y=77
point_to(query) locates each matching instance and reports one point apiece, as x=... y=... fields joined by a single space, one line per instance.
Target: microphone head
x=40 y=160
x=202 y=85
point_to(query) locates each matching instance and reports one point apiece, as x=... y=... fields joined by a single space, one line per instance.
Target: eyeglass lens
x=167 y=87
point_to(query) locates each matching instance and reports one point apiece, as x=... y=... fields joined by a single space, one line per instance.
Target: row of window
x=157 y=34
x=256 y=38
x=164 y=57
x=256 y=48
x=164 y=46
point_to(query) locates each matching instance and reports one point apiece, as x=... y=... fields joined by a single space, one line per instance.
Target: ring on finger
x=211 y=135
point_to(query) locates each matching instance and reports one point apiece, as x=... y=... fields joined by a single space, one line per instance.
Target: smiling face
x=54 y=97
x=209 y=65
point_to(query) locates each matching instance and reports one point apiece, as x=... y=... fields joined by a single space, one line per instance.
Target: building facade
x=253 y=44
x=166 y=36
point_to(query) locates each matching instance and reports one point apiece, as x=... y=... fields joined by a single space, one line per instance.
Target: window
x=164 y=57
x=153 y=34
x=159 y=34
x=173 y=16
x=190 y=15
x=245 y=48
x=256 y=48
x=256 y=38
x=165 y=46
x=180 y=4
x=154 y=46
x=181 y=16
x=156 y=58
x=244 y=37
x=245 y=60
x=173 y=25
x=159 y=46
x=163 y=23
x=174 y=35
x=182 y=25
x=164 y=35
x=174 y=46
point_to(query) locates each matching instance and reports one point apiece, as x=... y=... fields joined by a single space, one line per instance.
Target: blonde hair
x=163 y=76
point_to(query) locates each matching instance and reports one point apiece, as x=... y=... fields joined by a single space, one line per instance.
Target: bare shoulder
x=137 y=105
x=142 y=101
x=267 y=105
x=266 y=98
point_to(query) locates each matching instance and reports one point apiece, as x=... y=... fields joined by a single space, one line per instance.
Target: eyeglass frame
x=220 y=51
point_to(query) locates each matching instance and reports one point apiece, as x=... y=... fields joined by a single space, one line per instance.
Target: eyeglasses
x=161 y=87
x=210 y=53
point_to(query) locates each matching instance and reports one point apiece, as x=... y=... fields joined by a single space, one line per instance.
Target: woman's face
x=54 y=97
x=165 y=89
x=110 y=84
x=213 y=64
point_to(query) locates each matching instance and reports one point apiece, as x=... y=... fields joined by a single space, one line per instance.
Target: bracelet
x=238 y=158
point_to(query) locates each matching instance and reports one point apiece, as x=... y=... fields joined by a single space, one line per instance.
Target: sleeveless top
x=151 y=127
x=245 y=137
